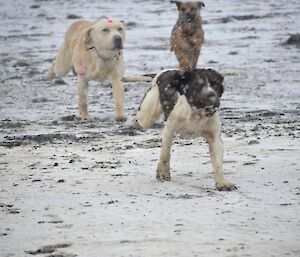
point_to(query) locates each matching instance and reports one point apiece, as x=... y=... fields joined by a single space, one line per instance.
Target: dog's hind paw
x=49 y=75
x=86 y=117
x=226 y=186
x=135 y=124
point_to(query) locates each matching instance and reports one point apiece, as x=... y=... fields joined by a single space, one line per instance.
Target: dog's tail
x=50 y=73
x=150 y=109
x=141 y=78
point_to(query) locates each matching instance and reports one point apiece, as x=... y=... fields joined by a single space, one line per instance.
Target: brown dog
x=187 y=34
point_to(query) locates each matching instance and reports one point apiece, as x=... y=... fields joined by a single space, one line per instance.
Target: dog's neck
x=189 y=29
x=103 y=58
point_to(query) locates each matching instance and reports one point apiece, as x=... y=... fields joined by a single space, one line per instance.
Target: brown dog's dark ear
x=87 y=38
x=178 y=3
x=201 y=4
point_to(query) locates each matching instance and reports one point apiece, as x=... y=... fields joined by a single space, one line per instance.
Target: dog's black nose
x=211 y=95
x=212 y=99
x=117 y=40
x=189 y=17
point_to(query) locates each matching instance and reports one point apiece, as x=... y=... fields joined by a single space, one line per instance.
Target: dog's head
x=188 y=11
x=107 y=36
x=202 y=88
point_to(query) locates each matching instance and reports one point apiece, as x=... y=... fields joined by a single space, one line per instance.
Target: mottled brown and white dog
x=93 y=50
x=189 y=101
x=187 y=34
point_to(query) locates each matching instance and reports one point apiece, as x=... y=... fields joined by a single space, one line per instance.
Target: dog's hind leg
x=61 y=65
x=150 y=109
x=50 y=73
x=63 y=61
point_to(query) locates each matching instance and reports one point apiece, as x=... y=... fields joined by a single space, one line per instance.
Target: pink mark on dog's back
x=109 y=20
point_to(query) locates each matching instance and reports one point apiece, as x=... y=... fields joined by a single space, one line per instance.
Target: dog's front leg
x=82 y=89
x=163 y=167
x=118 y=93
x=195 y=56
x=216 y=155
x=183 y=59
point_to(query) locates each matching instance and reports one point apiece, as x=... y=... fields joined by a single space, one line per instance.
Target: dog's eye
x=105 y=30
x=120 y=29
x=182 y=9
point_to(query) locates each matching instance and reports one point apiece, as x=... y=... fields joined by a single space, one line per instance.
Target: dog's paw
x=135 y=124
x=49 y=75
x=163 y=177
x=226 y=186
x=86 y=117
x=163 y=173
x=120 y=118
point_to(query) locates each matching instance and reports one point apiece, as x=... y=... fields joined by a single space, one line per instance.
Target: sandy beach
x=88 y=189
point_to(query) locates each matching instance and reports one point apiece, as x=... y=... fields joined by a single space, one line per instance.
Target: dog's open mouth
x=207 y=111
x=210 y=111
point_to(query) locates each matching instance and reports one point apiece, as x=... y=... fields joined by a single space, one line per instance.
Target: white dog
x=93 y=50
x=189 y=101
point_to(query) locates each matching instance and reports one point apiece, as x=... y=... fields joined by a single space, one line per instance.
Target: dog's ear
x=201 y=4
x=219 y=88
x=180 y=81
x=87 y=37
x=175 y=80
x=215 y=80
x=178 y=3
x=123 y=24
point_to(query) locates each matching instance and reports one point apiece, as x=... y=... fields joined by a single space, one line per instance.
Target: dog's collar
x=210 y=111
x=207 y=111
x=100 y=56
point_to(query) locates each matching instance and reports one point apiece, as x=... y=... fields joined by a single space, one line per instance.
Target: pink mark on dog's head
x=75 y=24
x=109 y=20
x=82 y=65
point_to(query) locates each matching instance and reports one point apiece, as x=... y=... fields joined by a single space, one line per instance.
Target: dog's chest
x=185 y=123
x=102 y=70
x=192 y=127
x=193 y=39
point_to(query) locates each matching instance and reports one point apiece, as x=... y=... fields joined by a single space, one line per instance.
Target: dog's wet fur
x=193 y=84
x=187 y=35
x=189 y=101
x=190 y=84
